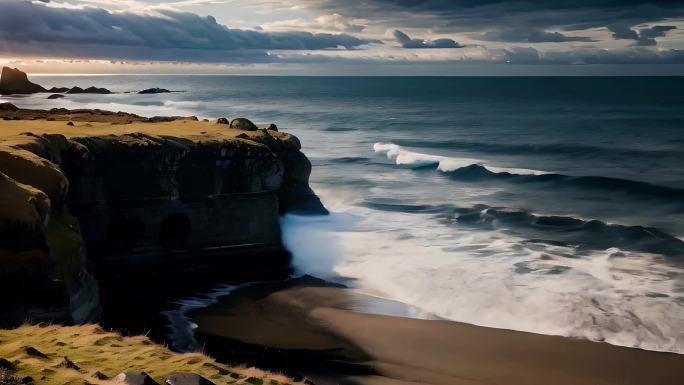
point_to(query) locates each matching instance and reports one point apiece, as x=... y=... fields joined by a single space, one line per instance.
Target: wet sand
x=320 y=324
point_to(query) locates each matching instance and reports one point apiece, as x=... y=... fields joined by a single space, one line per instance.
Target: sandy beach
x=401 y=350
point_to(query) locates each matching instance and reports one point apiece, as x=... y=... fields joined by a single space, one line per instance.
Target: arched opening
x=175 y=231
x=123 y=234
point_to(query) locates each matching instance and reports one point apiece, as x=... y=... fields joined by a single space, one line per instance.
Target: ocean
x=547 y=205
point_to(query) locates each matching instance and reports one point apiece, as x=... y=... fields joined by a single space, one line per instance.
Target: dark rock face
x=56 y=96
x=243 y=124
x=272 y=127
x=188 y=197
x=154 y=91
x=14 y=81
x=59 y=90
x=222 y=121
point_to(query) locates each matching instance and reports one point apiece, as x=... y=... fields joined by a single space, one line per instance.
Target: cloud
x=329 y=23
x=406 y=42
x=32 y=28
x=643 y=36
x=528 y=35
x=516 y=55
x=647 y=35
x=492 y=15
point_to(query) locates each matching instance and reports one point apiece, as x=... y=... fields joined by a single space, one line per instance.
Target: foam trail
x=182 y=328
x=496 y=279
x=444 y=163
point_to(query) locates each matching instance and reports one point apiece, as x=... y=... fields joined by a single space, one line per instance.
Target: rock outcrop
x=89 y=90
x=56 y=96
x=135 y=199
x=14 y=81
x=243 y=124
x=154 y=91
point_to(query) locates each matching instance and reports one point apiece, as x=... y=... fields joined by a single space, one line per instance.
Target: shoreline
x=313 y=324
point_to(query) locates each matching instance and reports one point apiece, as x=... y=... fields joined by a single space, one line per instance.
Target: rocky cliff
x=78 y=190
x=13 y=81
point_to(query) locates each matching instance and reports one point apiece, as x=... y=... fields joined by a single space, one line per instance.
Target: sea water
x=547 y=205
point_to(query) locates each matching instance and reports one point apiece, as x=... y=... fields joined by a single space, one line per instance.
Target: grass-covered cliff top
x=40 y=351
x=196 y=131
x=26 y=157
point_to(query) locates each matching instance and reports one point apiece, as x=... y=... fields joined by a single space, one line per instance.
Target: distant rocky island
x=15 y=82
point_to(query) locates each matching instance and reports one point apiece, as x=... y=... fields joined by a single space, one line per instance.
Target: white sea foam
x=492 y=278
x=444 y=163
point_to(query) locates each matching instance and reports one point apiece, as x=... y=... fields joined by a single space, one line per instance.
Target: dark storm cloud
x=495 y=15
x=647 y=35
x=643 y=36
x=28 y=28
x=407 y=42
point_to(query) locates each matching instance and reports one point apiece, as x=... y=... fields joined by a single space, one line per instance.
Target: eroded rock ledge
x=124 y=192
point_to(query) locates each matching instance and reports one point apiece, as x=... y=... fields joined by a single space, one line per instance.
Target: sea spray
x=491 y=277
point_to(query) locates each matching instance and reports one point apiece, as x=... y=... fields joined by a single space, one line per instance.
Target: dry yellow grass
x=95 y=350
x=186 y=129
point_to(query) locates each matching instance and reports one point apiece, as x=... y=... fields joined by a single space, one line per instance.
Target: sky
x=345 y=37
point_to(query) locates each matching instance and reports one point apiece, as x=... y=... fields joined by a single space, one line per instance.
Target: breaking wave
x=473 y=170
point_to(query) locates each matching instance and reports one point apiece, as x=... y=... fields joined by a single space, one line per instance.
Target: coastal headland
x=108 y=216
x=138 y=192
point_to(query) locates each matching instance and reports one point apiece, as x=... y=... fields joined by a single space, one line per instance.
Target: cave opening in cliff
x=123 y=234
x=174 y=232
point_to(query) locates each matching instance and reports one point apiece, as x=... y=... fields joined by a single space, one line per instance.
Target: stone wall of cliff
x=44 y=271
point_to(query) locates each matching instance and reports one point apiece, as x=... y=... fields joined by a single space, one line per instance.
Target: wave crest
x=467 y=169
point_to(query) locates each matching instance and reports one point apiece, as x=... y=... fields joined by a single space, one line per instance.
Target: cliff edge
x=83 y=188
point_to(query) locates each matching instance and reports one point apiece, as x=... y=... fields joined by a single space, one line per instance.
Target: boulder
x=59 y=90
x=68 y=364
x=100 y=376
x=95 y=90
x=134 y=378
x=272 y=127
x=222 y=121
x=33 y=352
x=243 y=124
x=184 y=378
x=154 y=91
x=55 y=96
x=14 y=81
